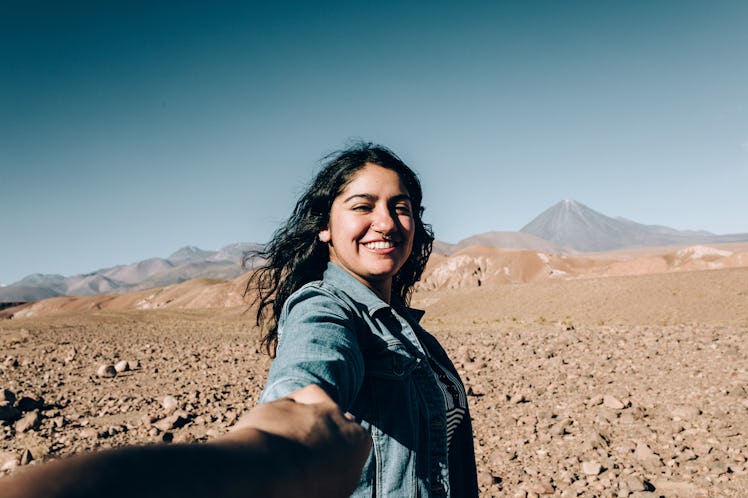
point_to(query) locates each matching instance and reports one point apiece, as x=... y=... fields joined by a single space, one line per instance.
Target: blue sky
x=130 y=129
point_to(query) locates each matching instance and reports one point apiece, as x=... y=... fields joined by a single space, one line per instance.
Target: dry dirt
x=617 y=386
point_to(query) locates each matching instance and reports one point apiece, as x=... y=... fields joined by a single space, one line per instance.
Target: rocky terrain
x=626 y=386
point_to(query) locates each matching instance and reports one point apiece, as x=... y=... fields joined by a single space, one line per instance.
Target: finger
x=310 y=394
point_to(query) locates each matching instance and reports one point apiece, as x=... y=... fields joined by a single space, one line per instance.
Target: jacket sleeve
x=317 y=344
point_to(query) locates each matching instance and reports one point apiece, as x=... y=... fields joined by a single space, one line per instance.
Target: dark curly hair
x=295 y=255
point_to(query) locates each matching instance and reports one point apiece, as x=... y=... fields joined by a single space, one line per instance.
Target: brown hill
x=470 y=268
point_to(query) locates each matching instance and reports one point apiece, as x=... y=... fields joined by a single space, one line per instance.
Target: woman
x=333 y=295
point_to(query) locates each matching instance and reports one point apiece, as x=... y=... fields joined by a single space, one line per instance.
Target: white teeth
x=380 y=245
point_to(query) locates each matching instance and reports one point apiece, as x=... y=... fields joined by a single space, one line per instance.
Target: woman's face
x=371 y=228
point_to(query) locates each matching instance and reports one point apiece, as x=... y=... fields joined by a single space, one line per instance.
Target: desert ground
x=612 y=383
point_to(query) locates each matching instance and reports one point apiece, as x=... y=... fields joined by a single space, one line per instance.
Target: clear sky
x=130 y=129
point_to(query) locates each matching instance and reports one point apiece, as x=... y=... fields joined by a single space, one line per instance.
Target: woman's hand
x=335 y=446
x=280 y=449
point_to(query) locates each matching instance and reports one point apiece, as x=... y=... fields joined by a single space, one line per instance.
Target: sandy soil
x=618 y=386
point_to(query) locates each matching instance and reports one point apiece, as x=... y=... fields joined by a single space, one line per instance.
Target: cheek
x=349 y=227
x=408 y=225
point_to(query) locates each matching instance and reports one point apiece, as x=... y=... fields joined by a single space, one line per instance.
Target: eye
x=403 y=209
x=362 y=208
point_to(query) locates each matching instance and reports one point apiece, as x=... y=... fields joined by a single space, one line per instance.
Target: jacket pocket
x=390 y=362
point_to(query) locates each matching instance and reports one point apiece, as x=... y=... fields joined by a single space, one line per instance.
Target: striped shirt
x=454 y=396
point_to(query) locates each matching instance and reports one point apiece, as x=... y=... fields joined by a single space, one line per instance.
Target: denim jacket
x=371 y=358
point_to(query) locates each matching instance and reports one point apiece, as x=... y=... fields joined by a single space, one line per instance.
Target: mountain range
x=185 y=264
x=573 y=225
x=567 y=227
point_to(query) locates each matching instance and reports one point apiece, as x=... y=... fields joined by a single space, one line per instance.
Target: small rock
x=59 y=422
x=686 y=456
x=635 y=484
x=106 y=371
x=29 y=422
x=605 y=414
x=613 y=403
x=517 y=398
x=685 y=412
x=569 y=493
x=647 y=458
x=175 y=421
x=595 y=400
x=591 y=468
x=70 y=356
x=544 y=487
x=122 y=366
x=89 y=433
x=559 y=428
x=26 y=457
x=184 y=437
x=148 y=419
x=170 y=403
x=664 y=487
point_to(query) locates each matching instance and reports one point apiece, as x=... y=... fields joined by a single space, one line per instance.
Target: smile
x=380 y=244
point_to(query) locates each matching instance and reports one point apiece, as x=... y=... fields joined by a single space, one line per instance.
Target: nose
x=384 y=221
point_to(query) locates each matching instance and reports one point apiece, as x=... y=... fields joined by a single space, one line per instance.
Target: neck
x=383 y=290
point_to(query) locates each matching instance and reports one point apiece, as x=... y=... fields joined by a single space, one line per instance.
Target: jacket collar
x=356 y=289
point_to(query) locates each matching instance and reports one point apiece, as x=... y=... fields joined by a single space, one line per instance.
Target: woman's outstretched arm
x=284 y=448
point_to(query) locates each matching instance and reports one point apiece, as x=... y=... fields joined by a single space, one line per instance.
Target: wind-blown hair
x=295 y=255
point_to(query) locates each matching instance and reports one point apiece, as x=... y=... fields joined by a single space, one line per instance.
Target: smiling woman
x=333 y=295
x=370 y=230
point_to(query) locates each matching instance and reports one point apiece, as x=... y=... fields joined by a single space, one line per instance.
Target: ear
x=324 y=236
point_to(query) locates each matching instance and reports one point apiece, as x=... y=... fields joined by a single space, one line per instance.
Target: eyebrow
x=370 y=197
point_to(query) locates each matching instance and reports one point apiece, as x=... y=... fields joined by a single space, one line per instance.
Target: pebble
x=29 y=422
x=664 y=487
x=106 y=371
x=595 y=400
x=184 y=437
x=569 y=493
x=685 y=412
x=89 y=433
x=591 y=468
x=26 y=457
x=169 y=403
x=559 y=428
x=122 y=366
x=647 y=458
x=175 y=421
x=635 y=484
x=613 y=403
